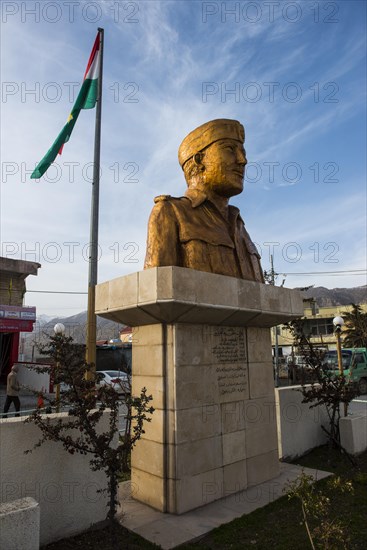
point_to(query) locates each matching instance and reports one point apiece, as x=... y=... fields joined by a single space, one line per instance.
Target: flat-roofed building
x=15 y=317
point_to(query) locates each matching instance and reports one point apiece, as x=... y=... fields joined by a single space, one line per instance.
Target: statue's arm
x=163 y=238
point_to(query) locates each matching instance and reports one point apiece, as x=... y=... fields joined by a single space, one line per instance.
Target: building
x=14 y=316
x=318 y=326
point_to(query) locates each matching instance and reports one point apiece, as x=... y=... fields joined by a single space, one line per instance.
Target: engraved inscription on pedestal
x=229 y=345
x=230 y=360
x=232 y=381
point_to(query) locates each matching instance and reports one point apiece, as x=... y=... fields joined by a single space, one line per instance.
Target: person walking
x=12 y=391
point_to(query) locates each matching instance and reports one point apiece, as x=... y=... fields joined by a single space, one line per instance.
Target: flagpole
x=93 y=253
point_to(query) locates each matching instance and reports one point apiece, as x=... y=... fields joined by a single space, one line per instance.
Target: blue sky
x=292 y=72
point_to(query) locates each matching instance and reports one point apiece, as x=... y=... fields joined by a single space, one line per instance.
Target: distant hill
x=326 y=297
x=75 y=326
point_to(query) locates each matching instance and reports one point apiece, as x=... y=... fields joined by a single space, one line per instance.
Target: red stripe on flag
x=93 y=54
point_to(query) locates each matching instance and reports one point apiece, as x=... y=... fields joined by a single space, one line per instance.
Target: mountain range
x=329 y=297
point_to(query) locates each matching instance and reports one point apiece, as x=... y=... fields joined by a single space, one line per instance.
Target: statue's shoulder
x=167 y=198
x=162 y=198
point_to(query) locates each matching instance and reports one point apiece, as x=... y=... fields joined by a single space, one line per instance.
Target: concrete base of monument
x=169 y=530
x=213 y=431
x=202 y=348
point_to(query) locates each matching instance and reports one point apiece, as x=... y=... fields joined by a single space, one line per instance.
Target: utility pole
x=338 y=322
x=271 y=276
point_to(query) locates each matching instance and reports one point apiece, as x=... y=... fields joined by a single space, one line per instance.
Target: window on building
x=321 y=327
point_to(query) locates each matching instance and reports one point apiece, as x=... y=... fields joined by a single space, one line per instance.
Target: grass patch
x=277 y=526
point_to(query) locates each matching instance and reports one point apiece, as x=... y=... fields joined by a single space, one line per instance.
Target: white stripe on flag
x=94 y=68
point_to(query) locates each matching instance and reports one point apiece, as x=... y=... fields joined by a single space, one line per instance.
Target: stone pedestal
x=202 y=348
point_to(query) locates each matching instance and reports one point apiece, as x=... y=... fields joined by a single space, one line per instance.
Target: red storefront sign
x=17 y=318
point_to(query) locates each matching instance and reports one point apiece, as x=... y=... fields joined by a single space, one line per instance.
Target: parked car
x=118 y=380
x=299 y=371
x=354 y=361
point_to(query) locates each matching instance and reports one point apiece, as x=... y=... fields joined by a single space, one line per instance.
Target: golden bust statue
x=200 y=230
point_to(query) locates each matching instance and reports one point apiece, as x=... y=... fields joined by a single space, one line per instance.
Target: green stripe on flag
x=86 y=99
x=91 y=98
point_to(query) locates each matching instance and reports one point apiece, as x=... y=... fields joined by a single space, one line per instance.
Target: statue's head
x=213 y=157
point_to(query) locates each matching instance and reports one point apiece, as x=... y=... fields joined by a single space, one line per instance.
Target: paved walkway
x=169 y=531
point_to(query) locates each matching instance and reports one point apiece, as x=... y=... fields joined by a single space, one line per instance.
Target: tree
x=355 y=333
x=323 y=531
x=86 y=404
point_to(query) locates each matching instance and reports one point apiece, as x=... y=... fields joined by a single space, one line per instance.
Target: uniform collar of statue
x=198 y=196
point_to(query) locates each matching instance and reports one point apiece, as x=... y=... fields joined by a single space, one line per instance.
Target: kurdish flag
x=86 y=99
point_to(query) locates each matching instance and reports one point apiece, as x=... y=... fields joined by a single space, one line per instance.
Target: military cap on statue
x=204 y=135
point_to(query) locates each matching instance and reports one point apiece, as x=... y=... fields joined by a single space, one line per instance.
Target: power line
x=346 y=272
x=56 y=292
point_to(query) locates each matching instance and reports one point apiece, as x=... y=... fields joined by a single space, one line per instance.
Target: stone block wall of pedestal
x=215 y=419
